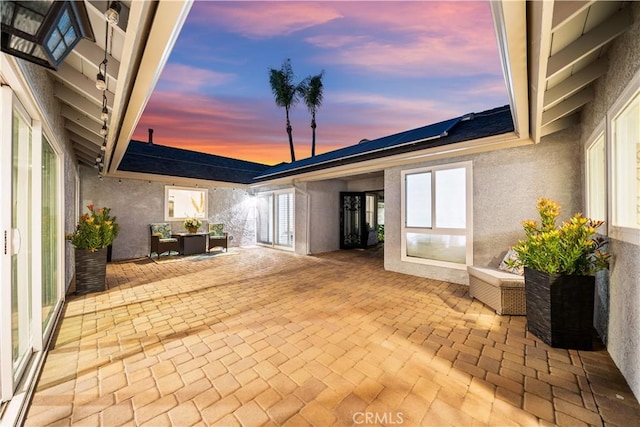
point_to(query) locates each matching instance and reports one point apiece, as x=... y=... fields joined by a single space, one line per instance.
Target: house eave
x=495 y=142
x=176 y=180
x=510 y=25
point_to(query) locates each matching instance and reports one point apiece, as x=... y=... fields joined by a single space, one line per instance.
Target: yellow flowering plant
x=96 y=229
x=572 y=248
x=192 y=223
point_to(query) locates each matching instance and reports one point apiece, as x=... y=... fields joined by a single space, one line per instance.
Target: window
x=596 y=179
x=275 y=219
x=436 y=206
x=181 y=203
x=625 y=132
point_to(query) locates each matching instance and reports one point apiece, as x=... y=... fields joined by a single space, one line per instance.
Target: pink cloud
x=427 y=38
x=185 y=78
x=265 y=19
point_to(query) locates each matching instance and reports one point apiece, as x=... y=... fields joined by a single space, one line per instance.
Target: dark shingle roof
x=159 y=159
x=465 y=128
x=162 y=160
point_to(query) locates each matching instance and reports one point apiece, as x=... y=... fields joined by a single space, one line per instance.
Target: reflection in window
x=182 y=203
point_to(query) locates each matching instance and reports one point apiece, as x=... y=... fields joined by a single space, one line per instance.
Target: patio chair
x=217 y=237
x=162 y=240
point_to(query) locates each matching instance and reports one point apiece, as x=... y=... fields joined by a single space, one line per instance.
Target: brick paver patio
x=265 y=337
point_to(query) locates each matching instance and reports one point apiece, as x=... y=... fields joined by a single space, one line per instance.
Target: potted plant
x=559 y=266
x=95 y=232
x=192 y=224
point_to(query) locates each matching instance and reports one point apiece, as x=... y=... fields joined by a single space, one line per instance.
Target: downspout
x=308 y=222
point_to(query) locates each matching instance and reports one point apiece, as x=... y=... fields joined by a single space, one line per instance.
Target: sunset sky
x=389 y=67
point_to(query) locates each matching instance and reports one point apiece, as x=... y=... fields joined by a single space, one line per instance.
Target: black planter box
x=560 y=308
x=91 y=270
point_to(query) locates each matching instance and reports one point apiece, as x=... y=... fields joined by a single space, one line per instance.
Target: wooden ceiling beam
x=608 y=30
x=564 y=11
x=72 y=115
x=92 y=53
x=567 y=106
x=81 y=131
x=88 y=145
x=560 y=124
x=576 y=82
x=78 y=81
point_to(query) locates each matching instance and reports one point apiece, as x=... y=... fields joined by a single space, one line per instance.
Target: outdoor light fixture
x=103 y=130
x=105 y=114
x=101 y=80
x=113 y=13
x=43 y=31
x=103 y=147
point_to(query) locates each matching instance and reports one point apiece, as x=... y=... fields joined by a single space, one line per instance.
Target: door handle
x=16 y=241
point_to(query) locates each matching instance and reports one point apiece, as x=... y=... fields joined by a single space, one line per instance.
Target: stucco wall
x=137 y=203
x=623 y=329
x=325 y=215
x=366 y=184
x=506 y=186
x=41 y=85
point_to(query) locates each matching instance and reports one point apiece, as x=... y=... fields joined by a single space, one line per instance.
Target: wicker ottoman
x=500 y=290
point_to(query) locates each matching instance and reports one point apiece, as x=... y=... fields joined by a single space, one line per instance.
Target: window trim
x=167 y=188
x=626 y=234
x=599 y=132
x=467 y=231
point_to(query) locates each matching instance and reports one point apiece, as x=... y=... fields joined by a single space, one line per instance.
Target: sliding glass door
x=21 y=269
x=50 y=234
x=31 y=273
x=275 y=219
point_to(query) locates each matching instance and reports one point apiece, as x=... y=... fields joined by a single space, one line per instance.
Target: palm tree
x=286 y=94
x=311 y=90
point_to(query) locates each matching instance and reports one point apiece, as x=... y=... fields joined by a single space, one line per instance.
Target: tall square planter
x=560 y=308
x=91 y=270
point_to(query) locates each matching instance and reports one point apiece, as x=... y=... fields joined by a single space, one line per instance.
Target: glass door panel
x=285 y=219
x=49 y=233
x=21 y=315
x=353 y=228
x=264 y=227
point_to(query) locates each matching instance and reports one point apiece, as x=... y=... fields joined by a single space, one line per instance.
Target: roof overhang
x=152 y=48
x=510 y=24
x=136 y=50
x=568 y=43
x=175 y=180
x=495 y=142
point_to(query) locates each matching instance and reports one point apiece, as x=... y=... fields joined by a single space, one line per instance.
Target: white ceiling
x=568 y=43
x=137 y=50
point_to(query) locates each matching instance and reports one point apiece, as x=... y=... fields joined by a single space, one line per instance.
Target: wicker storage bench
x=500 y=290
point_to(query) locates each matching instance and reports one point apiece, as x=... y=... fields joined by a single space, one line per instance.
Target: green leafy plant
x=572 y=248
x=96 y=229
x=192 y=223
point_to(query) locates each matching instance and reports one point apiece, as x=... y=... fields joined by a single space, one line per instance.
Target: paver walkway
x=265 y=337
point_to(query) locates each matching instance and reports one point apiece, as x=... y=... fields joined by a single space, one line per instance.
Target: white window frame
x=169 y=188
x=626 y=234
x=598 y=134
x=274 y=217
x=467 y=231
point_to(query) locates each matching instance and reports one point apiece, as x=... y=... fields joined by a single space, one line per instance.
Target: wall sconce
x=44 y=32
